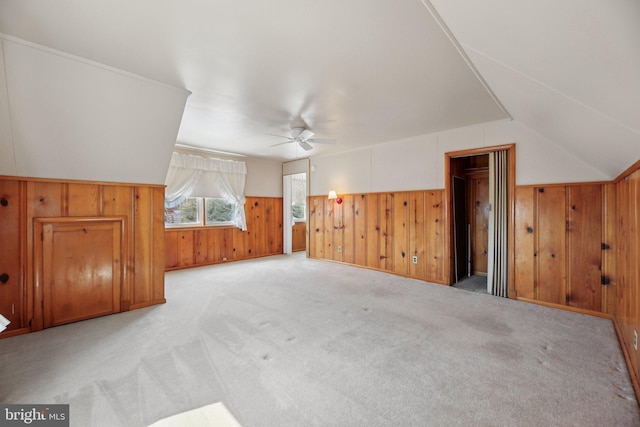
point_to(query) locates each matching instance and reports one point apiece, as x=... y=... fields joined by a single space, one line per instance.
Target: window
x=220 y=212
x=299 y=196
x=191 y=212
x=186 y=213
x=218 y=185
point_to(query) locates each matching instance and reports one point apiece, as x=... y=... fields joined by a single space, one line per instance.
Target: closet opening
x=470 y=187
x=479 y=188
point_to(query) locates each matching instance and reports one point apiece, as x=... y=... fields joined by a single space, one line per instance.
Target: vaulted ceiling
x=366 y=72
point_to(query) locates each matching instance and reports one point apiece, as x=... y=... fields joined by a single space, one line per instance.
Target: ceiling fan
x=303 y=137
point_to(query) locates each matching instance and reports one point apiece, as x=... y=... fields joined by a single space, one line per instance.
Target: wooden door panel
x=360 y=219
x=81 y=272
x=348 y=229
x=401 y=233
x=525 y=232
x=416 y=234
x=435 y=236
x=551 y=243
x=584 y=235
x=373 y=230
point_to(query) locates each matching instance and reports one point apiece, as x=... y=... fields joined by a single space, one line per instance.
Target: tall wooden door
x=79 y=262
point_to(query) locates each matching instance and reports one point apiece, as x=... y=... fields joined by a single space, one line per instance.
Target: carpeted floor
x=473 y=284
x=288 y=341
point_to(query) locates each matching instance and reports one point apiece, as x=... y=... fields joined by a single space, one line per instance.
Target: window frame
x=202 y=220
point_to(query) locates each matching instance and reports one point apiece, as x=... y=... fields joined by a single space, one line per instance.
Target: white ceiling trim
x=436 y=16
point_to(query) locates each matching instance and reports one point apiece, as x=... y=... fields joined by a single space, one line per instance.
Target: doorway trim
x=448 y=208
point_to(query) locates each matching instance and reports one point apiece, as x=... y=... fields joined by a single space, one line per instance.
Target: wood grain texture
x=12 y=292
x=140 y=206
x=360 y=225
x=373 y=231
x=348 y=229
x=77 y=283
x=479 y=205
x=382 y=231
x=525 y=243
x=627 y=272
x=417 y=248
x=196 y=246
x=435 y=237
x=298 y=236
x=584 y=252
x=609 y=237
x=551 y=245
x=558 y=236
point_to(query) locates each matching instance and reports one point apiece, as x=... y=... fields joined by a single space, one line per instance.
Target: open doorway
x=470 y=201
x=479 y=188
x=295 y=190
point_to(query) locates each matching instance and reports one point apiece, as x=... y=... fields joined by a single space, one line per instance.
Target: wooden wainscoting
x=22 y=200
x=624 y=257
x=299 y=236
x=558 y=245
x=191 y=247
x=382 y=231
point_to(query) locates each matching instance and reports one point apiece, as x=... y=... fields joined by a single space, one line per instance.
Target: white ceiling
x=368 y=71
x=359 y=71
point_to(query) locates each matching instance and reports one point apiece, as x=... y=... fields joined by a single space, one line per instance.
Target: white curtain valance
x=189 y=161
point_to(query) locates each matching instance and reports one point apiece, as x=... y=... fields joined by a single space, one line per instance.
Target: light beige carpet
x=287 y=341
x=214 y=415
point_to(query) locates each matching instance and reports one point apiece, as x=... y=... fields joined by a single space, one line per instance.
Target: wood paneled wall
x=558 y=237
x=190 y=247
x=382 y=231
x=142 y=206
x=624 y=206
x=299 y=236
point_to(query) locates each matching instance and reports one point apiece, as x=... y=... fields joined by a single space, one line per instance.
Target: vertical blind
x=498 y=269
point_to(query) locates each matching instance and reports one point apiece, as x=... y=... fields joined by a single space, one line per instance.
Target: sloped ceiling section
x=359 y=71
x=66 y=117
x=569 y=70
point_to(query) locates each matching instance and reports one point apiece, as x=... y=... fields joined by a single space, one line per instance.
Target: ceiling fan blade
x=281 y=143
x=305 y=146
x=322 y=141
x=306 y=134
x=279 y=136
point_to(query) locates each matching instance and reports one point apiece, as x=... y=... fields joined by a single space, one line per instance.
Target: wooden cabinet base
x=103 y=244
x=78 y=268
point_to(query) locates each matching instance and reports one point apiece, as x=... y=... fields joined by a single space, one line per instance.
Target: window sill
x=198 y=227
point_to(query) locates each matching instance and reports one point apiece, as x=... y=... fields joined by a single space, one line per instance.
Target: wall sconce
x=334 y=196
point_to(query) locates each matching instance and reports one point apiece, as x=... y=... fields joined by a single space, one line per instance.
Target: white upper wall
x=569 y=70
x=418 y=163
x=264 y=178
x=65 y=117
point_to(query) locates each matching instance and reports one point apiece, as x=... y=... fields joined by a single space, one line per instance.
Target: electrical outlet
x=339 y=249
x=414 y=259
x=635 y=340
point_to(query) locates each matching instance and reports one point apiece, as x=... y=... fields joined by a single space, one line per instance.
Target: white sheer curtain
x=231 y=179
x=196 y=176
x=498 y=270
